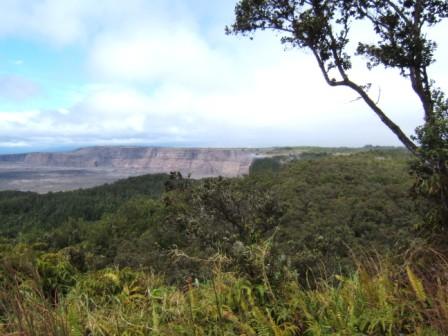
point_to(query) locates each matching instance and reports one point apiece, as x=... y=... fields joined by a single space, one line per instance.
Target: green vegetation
x=318 y=208
x=126 y=302
x=321 y=246
x=327 y=29
x=33 y=214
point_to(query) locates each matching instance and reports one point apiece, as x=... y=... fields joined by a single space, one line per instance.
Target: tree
x=324 y=28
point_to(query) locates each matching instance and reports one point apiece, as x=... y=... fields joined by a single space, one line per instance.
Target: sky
x=163 y=73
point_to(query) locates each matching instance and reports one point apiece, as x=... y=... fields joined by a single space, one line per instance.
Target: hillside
x=319 y=246
x=92 y=166
x=196 y=161
x=306 y=247
x=321 y=205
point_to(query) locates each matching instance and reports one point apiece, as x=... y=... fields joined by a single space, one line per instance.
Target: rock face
x=197 y=162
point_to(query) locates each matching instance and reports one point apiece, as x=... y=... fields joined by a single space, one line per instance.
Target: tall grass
x=378 y=299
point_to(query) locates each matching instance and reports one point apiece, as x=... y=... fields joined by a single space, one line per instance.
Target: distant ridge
x=197 y=162
x=92 y=166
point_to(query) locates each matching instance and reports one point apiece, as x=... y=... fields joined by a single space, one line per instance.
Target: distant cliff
x=199 y=162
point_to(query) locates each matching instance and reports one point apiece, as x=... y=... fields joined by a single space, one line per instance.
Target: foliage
x=322 y=211
x=377 y=299
x=24 y=215
x=279 y=252
x=432 y=169
x=270 y=164
x=401 y=29
x=57 y=274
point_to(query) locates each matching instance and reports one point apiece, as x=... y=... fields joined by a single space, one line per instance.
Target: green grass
x=378 y=299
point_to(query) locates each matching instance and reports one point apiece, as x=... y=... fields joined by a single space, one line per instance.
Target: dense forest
x=327 y=244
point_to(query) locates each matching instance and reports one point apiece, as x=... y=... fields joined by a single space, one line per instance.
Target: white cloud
x=18 y=118
x=276 y=109
x=157 y=54
x=63 y=22
x=14 y=144
x=59 y=21
x=161 y=76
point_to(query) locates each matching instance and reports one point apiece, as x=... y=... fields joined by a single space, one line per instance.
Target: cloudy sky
x=162 y=72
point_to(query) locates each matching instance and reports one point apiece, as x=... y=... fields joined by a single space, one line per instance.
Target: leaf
x=416 y=284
